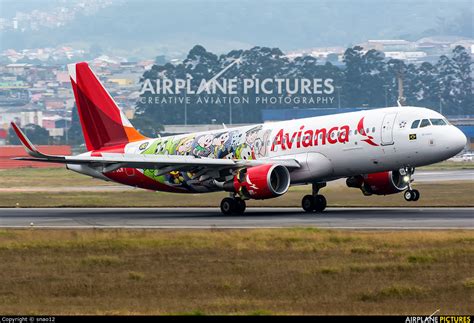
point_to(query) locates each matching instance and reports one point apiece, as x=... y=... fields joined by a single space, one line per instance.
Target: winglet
x=29 y=147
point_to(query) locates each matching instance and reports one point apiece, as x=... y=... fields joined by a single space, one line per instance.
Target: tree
x=463 y=81
x=395 y=68
x=160 y=60
x=447 y=85
x=372 y=78
x=352 y=86
x=364 y=77
x=75 y=135
x=368 y=79
x=425 y=86
x=37 y=134
x=333 y=58
x=147 y=126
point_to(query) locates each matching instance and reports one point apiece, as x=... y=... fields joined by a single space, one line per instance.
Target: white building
x=34 y=117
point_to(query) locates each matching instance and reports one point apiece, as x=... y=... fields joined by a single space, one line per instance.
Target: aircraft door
x=387 y=128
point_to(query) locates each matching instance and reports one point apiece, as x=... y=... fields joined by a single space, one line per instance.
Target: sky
x=222 y=25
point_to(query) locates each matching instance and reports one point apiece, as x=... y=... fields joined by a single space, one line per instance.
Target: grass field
x=449 y=165
x=281 y=271
x=460 y=194
x=54 y=190
x=61 y=177
x=46 y=177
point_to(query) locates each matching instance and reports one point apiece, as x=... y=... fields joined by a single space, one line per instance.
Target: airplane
x=376 y=150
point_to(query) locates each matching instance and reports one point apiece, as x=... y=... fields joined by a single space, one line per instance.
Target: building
x=6 y=117
x=3 y=136
x=18 y=69
x=389 y=45
x=407 y=56
x=56 y=125
x=34 y=117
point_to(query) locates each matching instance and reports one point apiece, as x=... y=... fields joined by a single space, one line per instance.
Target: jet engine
x=382 y=183
x=260 y=182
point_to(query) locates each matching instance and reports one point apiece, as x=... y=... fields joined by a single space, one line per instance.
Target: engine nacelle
x=382 y=183
x=260 y=182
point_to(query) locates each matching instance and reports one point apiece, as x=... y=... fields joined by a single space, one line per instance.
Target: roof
x=442 y=39
x=389 y=41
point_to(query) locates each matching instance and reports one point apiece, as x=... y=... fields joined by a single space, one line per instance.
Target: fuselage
x=327 y=147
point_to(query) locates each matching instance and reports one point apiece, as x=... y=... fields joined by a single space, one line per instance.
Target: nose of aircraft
x=457 y=140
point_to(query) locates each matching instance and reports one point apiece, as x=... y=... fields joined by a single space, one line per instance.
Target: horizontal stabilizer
x=31 y=149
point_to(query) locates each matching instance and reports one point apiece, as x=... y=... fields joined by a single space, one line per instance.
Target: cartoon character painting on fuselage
x=245 y=143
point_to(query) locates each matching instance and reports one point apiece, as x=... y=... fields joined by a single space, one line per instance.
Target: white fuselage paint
x=326 y=159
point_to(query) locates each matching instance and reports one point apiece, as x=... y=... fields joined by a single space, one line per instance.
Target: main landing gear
x=233 y=206
x=314 y=202
x=410 y=194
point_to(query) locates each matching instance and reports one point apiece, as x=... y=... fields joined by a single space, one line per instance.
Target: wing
x=108 y=162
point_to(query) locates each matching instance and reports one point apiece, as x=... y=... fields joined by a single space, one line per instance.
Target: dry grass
x=433 y=194
x=58 y=185
x=61 y=177
x=45 y=177
x=449 y=165
x=299 y=270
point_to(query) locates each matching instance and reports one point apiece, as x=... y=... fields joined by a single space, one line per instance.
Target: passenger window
x=415 y=124
x=425 y=123
x=373 y=129
x=438 y=122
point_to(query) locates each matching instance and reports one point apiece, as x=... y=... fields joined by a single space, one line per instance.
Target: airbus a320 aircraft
x=376 y=150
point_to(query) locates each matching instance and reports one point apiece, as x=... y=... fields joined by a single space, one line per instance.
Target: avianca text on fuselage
x=309 y=137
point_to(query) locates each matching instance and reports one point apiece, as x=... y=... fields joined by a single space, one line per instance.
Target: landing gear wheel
x=320 y=203
x=307 y=203
x=239 y=206
x=228 y=205
x=417 y=195
x=312 y=203
x=412 y=195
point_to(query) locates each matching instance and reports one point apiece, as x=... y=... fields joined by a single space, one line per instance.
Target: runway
x=444 y=175
x=205 y=218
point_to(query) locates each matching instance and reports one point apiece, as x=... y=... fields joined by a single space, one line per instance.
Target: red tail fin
x=103 y=124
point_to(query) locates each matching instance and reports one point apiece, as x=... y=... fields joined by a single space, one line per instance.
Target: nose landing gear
x=314 y=202
x=410 y=194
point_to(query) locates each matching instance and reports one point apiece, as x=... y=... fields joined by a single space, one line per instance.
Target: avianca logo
x=361 y=130
x=308 y=138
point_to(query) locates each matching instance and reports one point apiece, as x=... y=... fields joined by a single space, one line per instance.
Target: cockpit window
x=438 y=122
x=425 y=123
x=415 y=124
